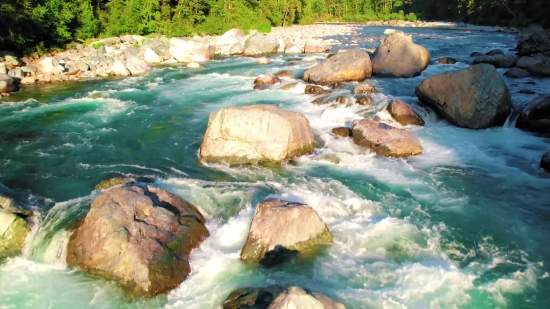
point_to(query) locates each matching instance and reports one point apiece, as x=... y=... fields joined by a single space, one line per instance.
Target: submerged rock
x=398 y=56
x=310 y=89
x=364 y=100
x=384 y=139
x=536 y=116
x=14 y=227
x=289 y=86
x=516 y=73
x=278 y=297
x=475 y=98
x=284 y=74
x=139 y=236
x=347 y=66
x=279 y=227
x=113 y=182
x=446 y=60
x=403 y=113
x=278 y=135
x=545 y=161
x=260 y=44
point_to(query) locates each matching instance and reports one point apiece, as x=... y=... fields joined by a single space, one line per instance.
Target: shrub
x=98 y=45
x=411 y=17
x=264 y=28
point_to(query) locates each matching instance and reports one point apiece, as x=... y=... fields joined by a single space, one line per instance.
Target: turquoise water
x=464 y=225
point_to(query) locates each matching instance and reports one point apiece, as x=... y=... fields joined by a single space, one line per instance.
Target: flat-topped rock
x=384 y=139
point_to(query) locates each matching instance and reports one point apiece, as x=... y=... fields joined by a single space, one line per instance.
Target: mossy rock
x=13 y=232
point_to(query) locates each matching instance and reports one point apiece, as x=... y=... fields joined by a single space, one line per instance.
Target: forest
x=39 y=25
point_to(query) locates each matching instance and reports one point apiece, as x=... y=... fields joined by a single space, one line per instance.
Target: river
x=463 y=225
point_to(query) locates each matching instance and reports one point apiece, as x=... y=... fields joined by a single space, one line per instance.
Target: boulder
x=12 y=61
x=3 y=69
x=290 y=48
x=82 y=66
x=349 y=66
x=151 y=56
x=194 y=65
x=260 y=44
x=385 y=140
x=112 y=182
x=494 y=52
x=163 y=51
x=137 y=66
x=289 y=86
x=545 y=161
x=279 y=227
x=499 y=61
x=45 y=65
x=29 y=80
x=29 y=69
x=536 y=116
x=475 y=98
x=364 y=100
x=6 y=78
x=341 y=132
x=398 y=56
x=538 y=66
x=236 y=49
x=7 y=87
x=230 y=36
x=533 y=40
x=267 y=79
x=476 y=54
x=139 y=236
x=403 y=113
x=278 y=297
x=446 y=60
x=364 y=89
x=516 y=73
x=119 y=68
x=313 y=48
x=14 y=227
x=187 y=50
x=284 y=74
x=279 y=135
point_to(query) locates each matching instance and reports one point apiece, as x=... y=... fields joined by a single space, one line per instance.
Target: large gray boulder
x=279 y=228
x=45 y=65
x=278 y=297
x=384 y=139
x=398 y=56
x=139 y=236
x=137 y=66
x=14 y=226
x=187 y=50
x=260 y=44
x=498 y=60
x=353 y=65
x=255 y=134
x=536 y=116
x=538 y=66
x=475 y=98
x=533 y=40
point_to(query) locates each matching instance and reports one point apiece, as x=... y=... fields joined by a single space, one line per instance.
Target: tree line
x=37 y=25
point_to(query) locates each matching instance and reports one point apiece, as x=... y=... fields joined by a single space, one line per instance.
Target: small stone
x=268 y=79
x=342 y=132
x=289 y=86
x=342 y=100
x=364 y=89
x=262 y=87
x=310 y=89
x=364 y=100
x=284 y=74
x=446 y=60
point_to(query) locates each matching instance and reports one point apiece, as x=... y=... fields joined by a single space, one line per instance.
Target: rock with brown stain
x=384 y=139
x=403 y=113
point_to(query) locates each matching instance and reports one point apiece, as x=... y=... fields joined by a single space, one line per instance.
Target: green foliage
x=264 y=28
x=136 y=45
x=40 y=25
x=98 y=45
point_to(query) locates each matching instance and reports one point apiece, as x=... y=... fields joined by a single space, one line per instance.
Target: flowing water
x=463 y=225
